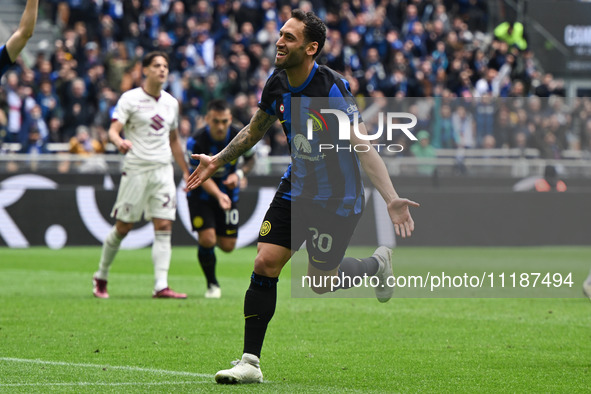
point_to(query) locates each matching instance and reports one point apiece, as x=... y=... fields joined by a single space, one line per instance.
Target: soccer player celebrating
x=326 y=203
x=213 y=206
x=149 y=117
x=17 y=41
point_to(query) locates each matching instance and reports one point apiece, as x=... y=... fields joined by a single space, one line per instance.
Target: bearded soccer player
x=149 y=117
x=17 y=41
x=328 y=204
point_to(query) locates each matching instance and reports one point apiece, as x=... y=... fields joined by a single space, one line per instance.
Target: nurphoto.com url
x=434 y=282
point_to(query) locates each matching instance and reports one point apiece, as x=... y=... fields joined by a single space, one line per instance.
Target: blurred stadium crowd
x=485 y=87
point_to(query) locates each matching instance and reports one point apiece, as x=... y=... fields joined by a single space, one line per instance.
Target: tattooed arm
x=246 y=139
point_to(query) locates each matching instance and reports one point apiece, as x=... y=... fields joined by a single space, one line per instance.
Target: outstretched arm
x=376 y=170
x=19 y=38
x=246 y=139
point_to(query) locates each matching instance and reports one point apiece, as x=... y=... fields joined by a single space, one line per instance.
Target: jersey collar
x=298 y=89
x=154 y=97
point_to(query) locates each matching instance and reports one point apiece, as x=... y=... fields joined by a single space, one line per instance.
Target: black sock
x=357 y=267
x=259 y=307
x=207 y=260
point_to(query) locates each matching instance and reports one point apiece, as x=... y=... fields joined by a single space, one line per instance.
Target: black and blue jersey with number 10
x=201 y=142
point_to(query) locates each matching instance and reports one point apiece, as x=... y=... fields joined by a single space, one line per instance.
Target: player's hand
x=203 y=172
x=124 y=146
x=224 y=201
x=232 y=181
x=400 y=215
x=186 y=179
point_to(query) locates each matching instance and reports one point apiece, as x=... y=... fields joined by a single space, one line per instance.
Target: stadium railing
x=477 y=162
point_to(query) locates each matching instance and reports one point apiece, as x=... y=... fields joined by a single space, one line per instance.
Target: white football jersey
x=148 y=122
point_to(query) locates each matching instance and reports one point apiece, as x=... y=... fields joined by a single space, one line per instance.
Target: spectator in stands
x=14 y=102
x=34 y=123
x=425 y=48
x=484 y=114
x=443 y=131
x=48 y=100
x=34 y=144
x=463 y=124
x=78 y=110
x=512 y=34
x=84 y=144
x=424 y=150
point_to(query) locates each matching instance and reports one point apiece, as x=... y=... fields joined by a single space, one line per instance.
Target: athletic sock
x=161 y=252
x=352 y=267
x=109 y=251
x=259 y=308
x=208 y=260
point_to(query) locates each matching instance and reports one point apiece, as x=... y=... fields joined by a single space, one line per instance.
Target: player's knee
x=267 y=267
x=163 y=225
x=123 y=228
x=227 y=246
x=207 y=239
x=227 y=249
x=206 y=243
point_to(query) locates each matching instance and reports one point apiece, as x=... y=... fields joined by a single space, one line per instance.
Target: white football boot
x=384 y=257
x=246 y=370
x=213 y=291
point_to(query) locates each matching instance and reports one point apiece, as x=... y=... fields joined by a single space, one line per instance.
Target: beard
x=293 y=58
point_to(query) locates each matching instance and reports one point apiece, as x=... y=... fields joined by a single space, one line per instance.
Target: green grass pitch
x=55 y=337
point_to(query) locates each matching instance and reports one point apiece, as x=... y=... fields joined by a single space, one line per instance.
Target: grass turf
x=55 y=337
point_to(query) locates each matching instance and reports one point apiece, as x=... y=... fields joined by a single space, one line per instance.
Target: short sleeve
x=5 y=62
x=175 y=122
x=341 y=98
x=122 y=109
x=268 y=96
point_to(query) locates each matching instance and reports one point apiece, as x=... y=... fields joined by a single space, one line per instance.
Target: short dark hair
x=150 y=57
x=217 y=105
x=314 y=28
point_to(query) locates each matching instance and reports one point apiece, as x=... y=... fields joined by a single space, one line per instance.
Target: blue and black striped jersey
x=201 y=142
x=5 y=62
x=332 y=178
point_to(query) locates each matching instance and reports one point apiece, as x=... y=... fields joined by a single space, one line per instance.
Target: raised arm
x=19 y=38
x=246 y=139
x=376 y=170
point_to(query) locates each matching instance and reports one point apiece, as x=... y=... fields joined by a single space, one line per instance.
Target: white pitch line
x=97 y=384
x=122 y=368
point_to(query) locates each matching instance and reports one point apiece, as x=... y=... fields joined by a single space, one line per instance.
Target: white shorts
x=151 y=193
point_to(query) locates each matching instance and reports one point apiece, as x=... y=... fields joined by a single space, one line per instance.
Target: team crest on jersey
x=157 y=122
x=281 y=108
x=197 y=221
x=265 y=228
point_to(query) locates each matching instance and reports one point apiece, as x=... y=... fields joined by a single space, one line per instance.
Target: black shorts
x=208 y=214
x=327 y=234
